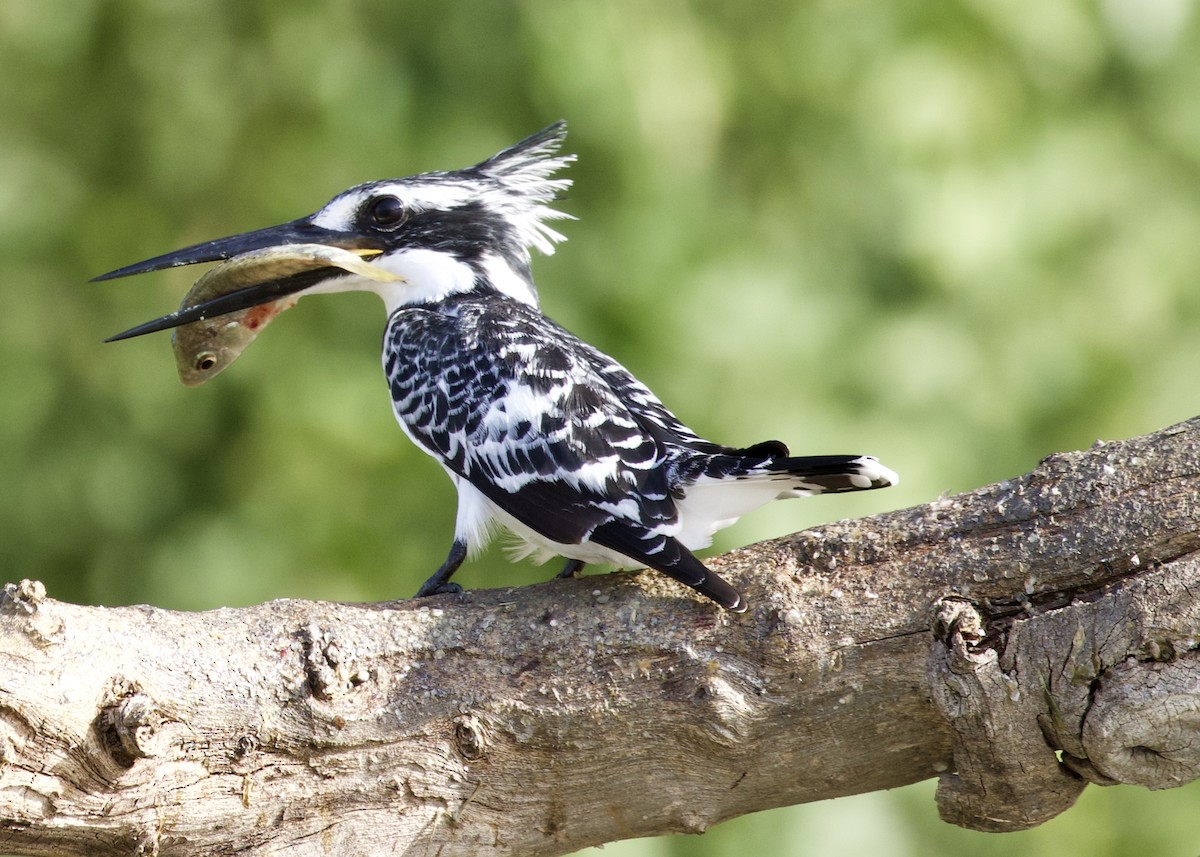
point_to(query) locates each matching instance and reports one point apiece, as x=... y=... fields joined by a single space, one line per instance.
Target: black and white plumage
x=541 y=433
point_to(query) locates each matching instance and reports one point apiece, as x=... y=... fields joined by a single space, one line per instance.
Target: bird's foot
x=439 y=582
x=444 y=588
x=572 y=568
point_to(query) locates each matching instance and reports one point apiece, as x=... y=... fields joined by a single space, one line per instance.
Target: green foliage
x=956 y=235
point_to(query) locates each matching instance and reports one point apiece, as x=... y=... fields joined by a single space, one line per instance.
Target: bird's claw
x=447 y=588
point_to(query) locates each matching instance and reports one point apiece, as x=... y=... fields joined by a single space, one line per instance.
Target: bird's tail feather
x=795 y=475
x=821 y=474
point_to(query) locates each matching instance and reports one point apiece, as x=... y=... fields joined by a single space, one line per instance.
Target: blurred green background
x=956 y=235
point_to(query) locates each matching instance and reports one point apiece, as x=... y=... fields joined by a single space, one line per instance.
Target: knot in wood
x=958 y=625
x=1005 y=776
x=245 y=745
x=26 y=601
x=727 y=710
x=138 y=724
x=471 y=737
x=723 y=694
x=1143 y=726
x=24 y=597
x=331 y=672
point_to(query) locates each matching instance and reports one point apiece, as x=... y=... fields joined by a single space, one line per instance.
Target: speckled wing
x=510 y=401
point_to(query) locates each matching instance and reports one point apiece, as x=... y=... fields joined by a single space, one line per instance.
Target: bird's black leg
x=439 y=582
x=572 y=568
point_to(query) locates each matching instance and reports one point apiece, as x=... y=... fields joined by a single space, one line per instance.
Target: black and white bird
x=541 y=433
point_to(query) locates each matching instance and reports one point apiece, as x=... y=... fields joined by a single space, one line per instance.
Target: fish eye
x=205 y=361
x=386 y=212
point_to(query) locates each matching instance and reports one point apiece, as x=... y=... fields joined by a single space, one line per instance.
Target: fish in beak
x=243 y=293
x=263 y=274
x=207 y=346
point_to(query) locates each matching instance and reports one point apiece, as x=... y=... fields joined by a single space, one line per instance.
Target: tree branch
x=969 y=639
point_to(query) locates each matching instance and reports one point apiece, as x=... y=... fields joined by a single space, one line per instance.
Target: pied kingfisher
x=540 y=432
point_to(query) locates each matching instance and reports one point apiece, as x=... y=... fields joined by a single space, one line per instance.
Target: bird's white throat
x=429 y=276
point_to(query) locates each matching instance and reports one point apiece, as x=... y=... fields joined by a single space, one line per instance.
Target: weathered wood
x=970 y=639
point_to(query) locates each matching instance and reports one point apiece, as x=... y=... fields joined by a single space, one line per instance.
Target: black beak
x=301 y=231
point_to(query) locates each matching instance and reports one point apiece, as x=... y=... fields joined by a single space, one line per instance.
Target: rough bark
x=969 y=639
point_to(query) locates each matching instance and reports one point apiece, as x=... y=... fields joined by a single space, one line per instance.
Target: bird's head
x=441 y=233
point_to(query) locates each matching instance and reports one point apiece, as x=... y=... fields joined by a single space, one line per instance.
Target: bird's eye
x=386 y=212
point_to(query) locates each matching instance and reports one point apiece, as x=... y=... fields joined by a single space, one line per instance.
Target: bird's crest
x=522 y=174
